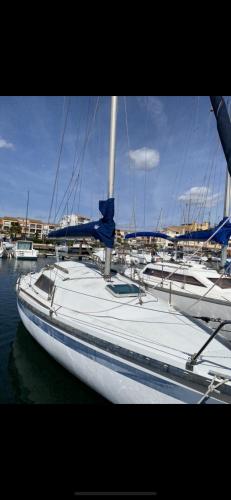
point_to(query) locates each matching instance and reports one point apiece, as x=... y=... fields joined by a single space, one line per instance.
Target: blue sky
x=169 y=163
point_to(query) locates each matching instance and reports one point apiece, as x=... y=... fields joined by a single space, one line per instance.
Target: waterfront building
x=18 y=227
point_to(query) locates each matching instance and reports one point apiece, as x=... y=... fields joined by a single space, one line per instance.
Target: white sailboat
x=192 y=288
x=126 y=344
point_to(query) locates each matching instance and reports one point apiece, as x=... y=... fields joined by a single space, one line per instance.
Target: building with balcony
x=18 y=227
x=73 y=220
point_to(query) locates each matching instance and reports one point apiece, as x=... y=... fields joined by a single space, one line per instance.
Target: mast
x=111 y=172
x=28 y=194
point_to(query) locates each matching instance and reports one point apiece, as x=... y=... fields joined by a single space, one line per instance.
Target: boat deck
x=142 y=324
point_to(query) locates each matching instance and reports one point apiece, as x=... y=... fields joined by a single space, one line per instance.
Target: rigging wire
x=74 y=182
x=179 y=175
x=131 y=169
x=59 y=158
x=79 y=163
x=145 y=166
x=86 y=144
x=204 y=203
x=75 y=161
x=213 y=188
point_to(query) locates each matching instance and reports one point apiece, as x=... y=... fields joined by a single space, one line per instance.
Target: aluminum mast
x=111 y=172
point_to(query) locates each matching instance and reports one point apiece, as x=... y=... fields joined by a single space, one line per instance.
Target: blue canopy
x=103 y=229
x=221 y=237
x=148 y=234
x=223 y=126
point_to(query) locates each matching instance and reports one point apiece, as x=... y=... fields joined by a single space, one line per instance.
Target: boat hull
x=194 y=304
x=114 y=378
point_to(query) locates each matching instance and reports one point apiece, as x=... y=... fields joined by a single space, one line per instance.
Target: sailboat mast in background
x=27 y=205
x=111 y=172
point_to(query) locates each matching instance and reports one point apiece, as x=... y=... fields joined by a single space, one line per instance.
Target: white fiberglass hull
x=195 y=305
x=26 y=255
x=116 y=379
x=8 y=246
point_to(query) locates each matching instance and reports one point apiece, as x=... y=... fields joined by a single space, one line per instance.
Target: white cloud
x=5 y=144
x=200 y=195
x=144 y=158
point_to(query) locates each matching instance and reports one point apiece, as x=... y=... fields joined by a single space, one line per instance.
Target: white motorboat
x=126 y=344
x=23 y=250
x=138 y=257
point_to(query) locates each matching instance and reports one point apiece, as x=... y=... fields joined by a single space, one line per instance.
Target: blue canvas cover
x=102 y=229
x=223 y=126
x=221 y=237
x=148 y=234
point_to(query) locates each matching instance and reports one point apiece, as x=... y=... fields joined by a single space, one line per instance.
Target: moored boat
x=125 y=343
x=23 y=250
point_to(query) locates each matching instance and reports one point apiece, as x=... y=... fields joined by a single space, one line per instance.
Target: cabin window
x=45 y=284
x=125 y=290
x=181 y=278
x=222 y=282
x=24 y=245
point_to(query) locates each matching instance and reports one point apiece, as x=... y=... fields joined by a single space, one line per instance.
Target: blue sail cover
x=148 y=234
x=103 y=229
x=221 y=237
x=223 y=126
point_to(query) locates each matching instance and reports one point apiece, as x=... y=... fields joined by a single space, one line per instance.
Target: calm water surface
x=27 y=373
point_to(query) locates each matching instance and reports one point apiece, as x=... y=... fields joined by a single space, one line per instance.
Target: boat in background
x=8 y=245
x=78 y=248
x=23 y=250
x=138 y=257
x=2 y=250
x=191 y=288
x=61 y=248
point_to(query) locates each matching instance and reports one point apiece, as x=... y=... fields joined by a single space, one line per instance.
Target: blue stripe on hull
x=164 y=386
